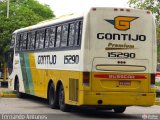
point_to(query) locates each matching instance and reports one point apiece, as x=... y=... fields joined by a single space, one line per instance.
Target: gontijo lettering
x=116 y=36
x=47 y=59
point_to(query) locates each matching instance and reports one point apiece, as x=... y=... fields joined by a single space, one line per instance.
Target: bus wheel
x=18 y=94
x=52 y=97
x=63 y=107
x=119 y=109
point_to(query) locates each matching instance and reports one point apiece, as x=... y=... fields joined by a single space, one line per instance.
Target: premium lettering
x=111 y=45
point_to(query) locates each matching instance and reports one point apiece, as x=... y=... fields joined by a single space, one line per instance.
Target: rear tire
x=119 y=109
x=52 y=99
x=18 y=94
x=63 y=107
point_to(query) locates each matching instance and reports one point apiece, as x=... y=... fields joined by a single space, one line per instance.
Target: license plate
x=125 y=83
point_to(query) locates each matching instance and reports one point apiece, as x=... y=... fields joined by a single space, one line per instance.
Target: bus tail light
x=86 y=78
x=152 y=79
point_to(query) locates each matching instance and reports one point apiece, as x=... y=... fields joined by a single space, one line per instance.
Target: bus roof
x=49 y=22
x=68 y=17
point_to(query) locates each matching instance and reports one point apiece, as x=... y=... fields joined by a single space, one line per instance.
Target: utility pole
x=8 y=9
x=5 y=66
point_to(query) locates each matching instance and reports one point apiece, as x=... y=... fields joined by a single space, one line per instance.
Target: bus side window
x=18 y=42
x=29 y=40
x=24 y=43
x=59 y=35
x=41 y=38
x=71 y=34
x=13 y=41
x=32 y=42
x=78 y=33
x=37 y=39
x=52 y=37
x=64 y=35
x=21 y=42
x=47 y=37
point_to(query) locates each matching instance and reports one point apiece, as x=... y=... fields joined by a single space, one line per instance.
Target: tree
x=22 y=13
x=154 y=6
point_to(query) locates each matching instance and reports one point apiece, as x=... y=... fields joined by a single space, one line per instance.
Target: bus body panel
x=117 y=99
x=36 y=69
x=121 y=49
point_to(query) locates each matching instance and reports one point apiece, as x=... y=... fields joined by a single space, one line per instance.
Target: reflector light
x=148 y=12
x=121 y=9
x=94 y=9
x=115 y=9
x=128 y=10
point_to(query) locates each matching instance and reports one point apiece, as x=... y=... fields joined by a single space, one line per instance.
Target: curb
x=157 y=102
x=8 y=94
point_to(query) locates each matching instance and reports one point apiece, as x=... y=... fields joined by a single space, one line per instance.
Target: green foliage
x=154 y=6
x=22 y=13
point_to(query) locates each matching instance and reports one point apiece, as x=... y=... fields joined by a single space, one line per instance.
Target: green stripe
x=26 y=73
x=29 y=75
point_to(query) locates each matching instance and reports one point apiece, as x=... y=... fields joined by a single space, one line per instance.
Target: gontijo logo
x=122 y=22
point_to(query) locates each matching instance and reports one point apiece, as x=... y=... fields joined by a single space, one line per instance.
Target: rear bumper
x=118 y=98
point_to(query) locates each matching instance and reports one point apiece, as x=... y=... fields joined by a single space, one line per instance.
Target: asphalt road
x=37 y=108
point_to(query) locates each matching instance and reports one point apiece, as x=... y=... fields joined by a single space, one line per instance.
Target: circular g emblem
x=122 y=22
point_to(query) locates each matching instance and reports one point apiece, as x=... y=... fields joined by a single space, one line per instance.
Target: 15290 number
x=121 y=55
x=71 y=59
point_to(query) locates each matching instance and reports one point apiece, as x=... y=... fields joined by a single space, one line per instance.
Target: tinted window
x=17 y=42
x=47 y=38
x=52 y=37
x=13 y=41
x=20 y=42
x=58 y=37
x=37 y=39
x=24 y=43
x=29 y=40
x=41 y=39
x=78 y=33
x=71 y=34
x=64 y=35
x=32 y=41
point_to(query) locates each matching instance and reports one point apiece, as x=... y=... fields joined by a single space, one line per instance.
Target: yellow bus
x=105 y=57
